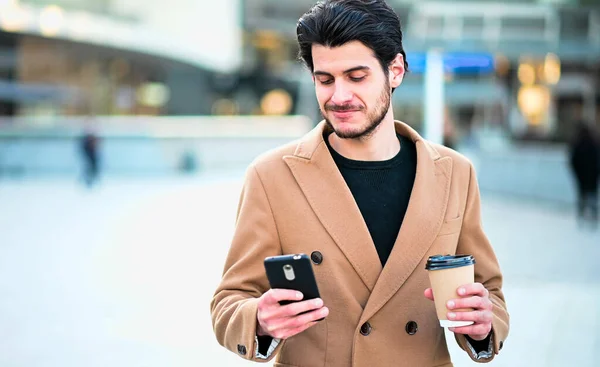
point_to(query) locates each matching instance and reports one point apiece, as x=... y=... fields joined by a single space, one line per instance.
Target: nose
x=342 y=94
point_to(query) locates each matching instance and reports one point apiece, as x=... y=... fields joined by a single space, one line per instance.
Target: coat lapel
x=423 y=219
x=330 y=198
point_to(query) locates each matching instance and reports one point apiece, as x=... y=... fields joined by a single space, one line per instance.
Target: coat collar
x=333 y=203
x=310 y=143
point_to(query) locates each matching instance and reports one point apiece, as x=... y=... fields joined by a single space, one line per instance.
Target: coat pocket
x=451 y=226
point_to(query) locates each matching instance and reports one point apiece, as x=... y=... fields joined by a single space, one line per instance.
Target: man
x=89 y=153
x=584 y=157
x=369 y=200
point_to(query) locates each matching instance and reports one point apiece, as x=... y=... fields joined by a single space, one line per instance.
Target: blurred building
x=517 y=69
x=108 y=57
x=514 y=71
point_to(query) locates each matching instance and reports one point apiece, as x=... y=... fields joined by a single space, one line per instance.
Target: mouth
x=344 y=114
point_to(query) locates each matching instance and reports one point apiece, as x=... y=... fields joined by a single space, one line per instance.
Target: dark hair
x=333 y=23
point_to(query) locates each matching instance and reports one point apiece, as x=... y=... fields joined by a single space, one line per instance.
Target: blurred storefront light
x=540 y=75
x=153 y=94
x=526 y=74
x=51 y=20
x=13 y=18
x=552 y=69
x=276 y=102
x=534 y=102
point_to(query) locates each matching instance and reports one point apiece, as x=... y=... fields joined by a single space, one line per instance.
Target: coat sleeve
x=235 y=303
x=473 y=241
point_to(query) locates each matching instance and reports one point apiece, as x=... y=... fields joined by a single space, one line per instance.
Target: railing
x=142 y=145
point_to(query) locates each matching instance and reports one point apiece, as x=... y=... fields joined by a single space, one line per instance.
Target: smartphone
x=292 y=272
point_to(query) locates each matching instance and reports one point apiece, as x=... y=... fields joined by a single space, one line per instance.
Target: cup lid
x=441 y=262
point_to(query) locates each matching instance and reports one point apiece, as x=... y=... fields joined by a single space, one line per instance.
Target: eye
x=326 y=81
x=357 y=79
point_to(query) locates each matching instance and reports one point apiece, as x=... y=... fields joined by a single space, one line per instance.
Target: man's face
x=352 y=89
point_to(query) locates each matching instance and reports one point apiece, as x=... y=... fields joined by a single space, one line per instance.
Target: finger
x=301 y=320
x=429 y=294
x=479 y=317
x=476 y=303
x=301 y=307
x=297 y=308
x=473 y=289
x=475 y=329
x=274 y=296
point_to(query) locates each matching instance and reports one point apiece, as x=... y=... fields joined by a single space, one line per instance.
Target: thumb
x=429 y=294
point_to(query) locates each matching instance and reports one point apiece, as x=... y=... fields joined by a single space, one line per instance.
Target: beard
x=373 y=120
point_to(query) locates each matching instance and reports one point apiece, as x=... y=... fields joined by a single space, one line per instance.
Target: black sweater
x=381 y=190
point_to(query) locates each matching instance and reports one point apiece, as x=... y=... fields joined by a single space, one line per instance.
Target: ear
x=396 y=74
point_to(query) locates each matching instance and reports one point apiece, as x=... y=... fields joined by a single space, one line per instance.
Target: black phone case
x=304 y=281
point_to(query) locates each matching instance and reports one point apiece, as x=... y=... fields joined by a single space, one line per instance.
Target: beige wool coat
x=295 y=200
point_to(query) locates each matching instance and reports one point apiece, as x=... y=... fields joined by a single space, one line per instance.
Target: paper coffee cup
x=446 y=275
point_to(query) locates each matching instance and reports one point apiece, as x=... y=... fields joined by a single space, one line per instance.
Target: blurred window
x=523 y=27
x=574 y=24
x=473 y=26
x=435 y=26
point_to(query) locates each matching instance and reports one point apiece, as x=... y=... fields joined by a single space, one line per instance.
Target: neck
x=381 y=145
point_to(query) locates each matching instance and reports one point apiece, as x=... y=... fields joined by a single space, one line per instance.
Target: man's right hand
x=282 y=322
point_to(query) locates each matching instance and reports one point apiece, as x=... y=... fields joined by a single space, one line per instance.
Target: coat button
x=411 y=328
x=241 y=349
x=316 y=257
x=365 y=329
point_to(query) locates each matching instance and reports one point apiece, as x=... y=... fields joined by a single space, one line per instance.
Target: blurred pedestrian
x=90 y=157
x=341 y=193
x=449 y=136
x=585 y=165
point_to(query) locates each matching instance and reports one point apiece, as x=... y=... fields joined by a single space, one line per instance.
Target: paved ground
x=123 y=275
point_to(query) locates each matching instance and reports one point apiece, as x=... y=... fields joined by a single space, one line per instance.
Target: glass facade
x=50 y=77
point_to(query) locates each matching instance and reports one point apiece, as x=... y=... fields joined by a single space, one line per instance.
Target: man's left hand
x=474 y=296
